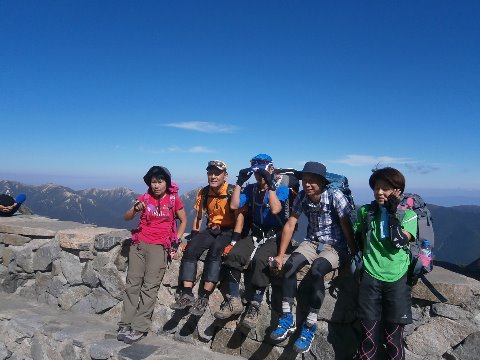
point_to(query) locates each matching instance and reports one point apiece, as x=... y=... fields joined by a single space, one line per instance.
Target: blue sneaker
x=286 y=326
x=304 y=342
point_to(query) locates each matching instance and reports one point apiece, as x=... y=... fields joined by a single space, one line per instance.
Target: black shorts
x=388 y=301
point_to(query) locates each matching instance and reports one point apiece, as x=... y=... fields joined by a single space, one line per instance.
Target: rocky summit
x=62 y=283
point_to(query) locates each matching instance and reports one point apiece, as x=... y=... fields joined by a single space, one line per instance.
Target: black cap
x=156 y=171
x=6 y=200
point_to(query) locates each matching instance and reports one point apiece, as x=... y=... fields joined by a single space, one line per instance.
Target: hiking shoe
x=199 y=306
x=123 y=331
x=251 y=317
x=304 y=341
x=134 y=336
x=183 y=301
x=285 y=327
x=230 y=307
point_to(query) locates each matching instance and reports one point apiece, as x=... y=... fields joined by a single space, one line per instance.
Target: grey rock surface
x=37 y=331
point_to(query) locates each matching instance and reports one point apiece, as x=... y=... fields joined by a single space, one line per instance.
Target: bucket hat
x=313 y=167
x=157 y=171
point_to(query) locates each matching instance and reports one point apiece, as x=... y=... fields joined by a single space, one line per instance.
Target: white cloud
x=199 y=149
x=204 y=126
x=368 y=160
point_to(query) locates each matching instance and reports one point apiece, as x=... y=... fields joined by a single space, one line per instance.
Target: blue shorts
x=388 y=301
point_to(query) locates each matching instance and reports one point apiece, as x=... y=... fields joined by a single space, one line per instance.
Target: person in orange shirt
x=223 y=226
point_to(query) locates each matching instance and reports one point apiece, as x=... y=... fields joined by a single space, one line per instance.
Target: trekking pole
x=434 y=291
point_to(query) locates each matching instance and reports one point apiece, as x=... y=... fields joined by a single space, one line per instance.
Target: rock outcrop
x=81 y=269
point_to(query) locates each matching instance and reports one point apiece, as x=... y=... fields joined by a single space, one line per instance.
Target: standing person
x=147 y=258
x=223 y=226
x=266 y=211
x=9 y=205
x=329 y=238
x=384 y=293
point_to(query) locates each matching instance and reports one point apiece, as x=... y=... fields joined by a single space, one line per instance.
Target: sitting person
x=9 y=205
x=266 y=215
x=329 y=238
x=223 y=226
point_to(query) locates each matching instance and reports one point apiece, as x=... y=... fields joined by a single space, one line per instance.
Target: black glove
x=236 y=236
x=391 y=204
x=174 y=246
x=268 y=178
x=243 y=176
x=397 y=237
x=192 y=234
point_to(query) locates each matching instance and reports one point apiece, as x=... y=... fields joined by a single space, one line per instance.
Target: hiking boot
x=304 y=341
x=183 y=301
x=199 y=306
x=251 y=317
x=285 y=327
x=122 y=332
x=134 y=336
x=230 y=307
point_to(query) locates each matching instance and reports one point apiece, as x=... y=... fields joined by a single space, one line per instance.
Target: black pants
x=320 y=267
x=239 y=256
x=388 y=301
x=202 y=241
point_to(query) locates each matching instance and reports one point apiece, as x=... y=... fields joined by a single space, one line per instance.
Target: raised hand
x=243 y=176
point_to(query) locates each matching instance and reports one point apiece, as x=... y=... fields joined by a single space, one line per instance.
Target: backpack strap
x=205 y=195
x=368 y=225
x=173 y=198
x=203 y=202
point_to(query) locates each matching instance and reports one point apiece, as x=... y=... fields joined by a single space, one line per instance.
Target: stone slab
x=80 y=238
x=34 y=225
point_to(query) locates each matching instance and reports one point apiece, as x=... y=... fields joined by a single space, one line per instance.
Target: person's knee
x=260 y=261
x=20 y=199
x=235 y=260
x=320 y=268
x=190 y=253
x=294 y=262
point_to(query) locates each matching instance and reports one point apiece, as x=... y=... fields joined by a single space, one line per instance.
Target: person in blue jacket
x=266 y=215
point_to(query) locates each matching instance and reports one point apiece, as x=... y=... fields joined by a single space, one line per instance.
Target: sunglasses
x=260 y=162
x=217 y=163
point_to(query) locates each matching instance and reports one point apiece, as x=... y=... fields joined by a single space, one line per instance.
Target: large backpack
x=419 y=264
x=340 y=182
x=205 y=196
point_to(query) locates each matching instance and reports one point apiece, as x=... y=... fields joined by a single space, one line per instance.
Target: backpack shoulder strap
x=303 y=201
x=368 y=228
x=203 y=202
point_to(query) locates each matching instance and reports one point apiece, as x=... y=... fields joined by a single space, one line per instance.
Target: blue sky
x=93 y=93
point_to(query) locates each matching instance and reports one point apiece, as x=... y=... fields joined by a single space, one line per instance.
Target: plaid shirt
x=323 y=217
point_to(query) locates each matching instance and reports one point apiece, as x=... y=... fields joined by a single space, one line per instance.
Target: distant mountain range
x=457 y=228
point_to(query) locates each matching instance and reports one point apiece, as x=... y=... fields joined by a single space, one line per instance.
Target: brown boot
x=230 y=307
x=251 y=317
